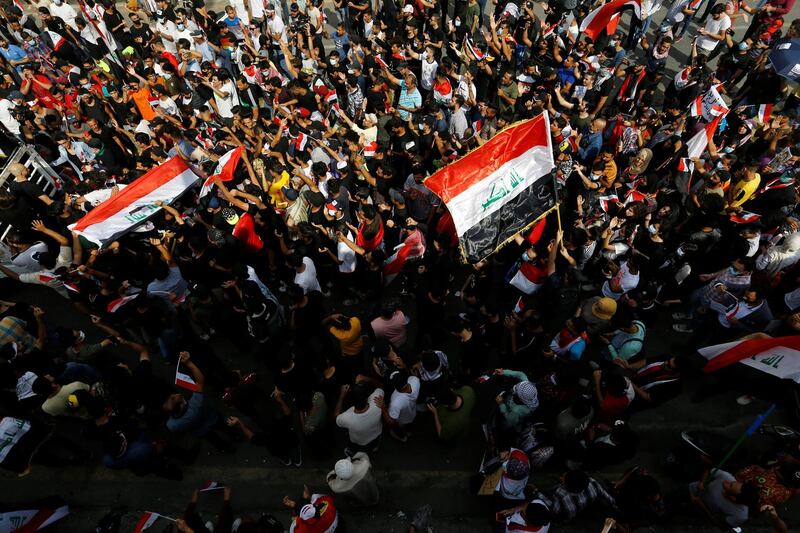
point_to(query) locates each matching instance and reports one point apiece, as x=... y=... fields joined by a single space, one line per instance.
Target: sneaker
x=422 y=518
x=235 y=525
x=744 y=399
x=298 y=462
x=286 y=461
x=210 y=526
x=683 y=328
x=680 y=315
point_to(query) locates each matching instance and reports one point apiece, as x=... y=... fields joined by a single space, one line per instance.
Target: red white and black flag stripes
x=500 y=188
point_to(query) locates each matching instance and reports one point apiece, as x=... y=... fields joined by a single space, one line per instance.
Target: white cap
x=372 y=117
x=408 y=8
x=343 y=469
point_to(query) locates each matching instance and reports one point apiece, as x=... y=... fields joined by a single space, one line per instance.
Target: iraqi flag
x=598 y=20
x=147 y=520
x=226 y=166
x=764 y=113
x=685 y=164
x=607 y=200
x=698 y=143
x=778 y=356
x=56 y=39
x=709 y=105
x=744 y=217
x=500 y=188
x=477 y=54
x=136 y=203
x=36 y=516
x=115 y=305
x=413 y=246
x=184 y=380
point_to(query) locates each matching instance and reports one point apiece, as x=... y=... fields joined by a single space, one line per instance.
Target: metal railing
x=41 y=174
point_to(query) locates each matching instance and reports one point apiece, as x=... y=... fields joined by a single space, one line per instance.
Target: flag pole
x=557 y=201
x=746 y=435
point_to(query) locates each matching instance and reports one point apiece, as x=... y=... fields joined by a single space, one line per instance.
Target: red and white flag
x=114 y=305
x=471 y=47
x=744 y=217
x=136 y=202
x=379 y=60
x=709 y=105
x=369 y=148
x=764 y=113
x=685 y=165
x=681 y=79
x=613 y=22
x=226 y=166
x=37 y=517
x=499 y=187
x=598 y=20
x=301 y=141
x=607 y=200
x=778 y=356
x=698 y=143
x=634 y=196
x=412 y=246
x=184 y=380
x=211 y=485
x=57 y=39
x=147 y=520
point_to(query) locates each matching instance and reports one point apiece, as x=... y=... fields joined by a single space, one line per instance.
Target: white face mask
x=181 y=27
x=167 y=76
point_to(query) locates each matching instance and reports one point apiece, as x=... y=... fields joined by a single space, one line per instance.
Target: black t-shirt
x=29 y=191
x=143 y=31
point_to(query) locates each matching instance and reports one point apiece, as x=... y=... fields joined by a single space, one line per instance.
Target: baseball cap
x=604 y=308
x=408 y=8
x=230 y=216
x=16 y=95
x=290 y=193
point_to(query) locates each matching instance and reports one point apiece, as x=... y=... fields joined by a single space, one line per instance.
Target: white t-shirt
x=625 y=279
x=276 y=25
x=168 y=28
x=365 y=427
x=403 y=405
x=227 y=103
x=713 y=27
x=307 y=279
x=428 y=72
x=348 y=258
x=27 y=260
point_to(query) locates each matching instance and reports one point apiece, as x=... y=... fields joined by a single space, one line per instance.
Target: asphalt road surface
x=409 y=475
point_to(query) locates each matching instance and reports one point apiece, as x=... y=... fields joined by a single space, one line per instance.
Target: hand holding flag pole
x=746 y=435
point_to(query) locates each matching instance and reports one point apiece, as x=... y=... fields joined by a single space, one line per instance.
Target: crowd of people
x=342 y=109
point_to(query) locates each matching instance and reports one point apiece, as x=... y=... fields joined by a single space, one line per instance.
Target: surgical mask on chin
x=613 y=43
x=652 y=229
x=167 y=76
x=743 y=46
x=594 y=177
x=728 y=149
x=181 y=27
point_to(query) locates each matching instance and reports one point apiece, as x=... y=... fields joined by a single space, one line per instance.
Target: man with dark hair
x=576 y=493
x=363 y=420
x=726 y=501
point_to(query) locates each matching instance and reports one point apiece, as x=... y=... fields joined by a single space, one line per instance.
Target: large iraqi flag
x=500 y=188
x=778 y=356
x=136 y=202
x=600 y=19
